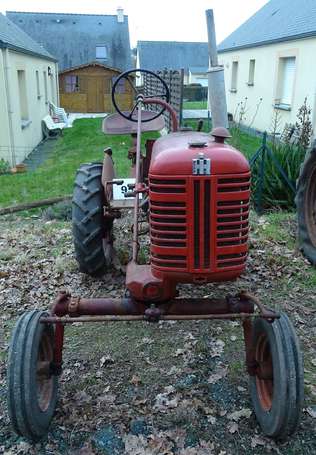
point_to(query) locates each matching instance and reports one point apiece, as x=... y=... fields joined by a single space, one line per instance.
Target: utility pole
x=216 y=82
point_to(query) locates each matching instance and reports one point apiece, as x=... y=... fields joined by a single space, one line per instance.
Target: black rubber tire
x=306 y=181
x=27 y=416
x=298 y=380
x=281 y=419
x=89 y=227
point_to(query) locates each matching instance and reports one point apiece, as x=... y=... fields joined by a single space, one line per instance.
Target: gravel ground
x=168 y=388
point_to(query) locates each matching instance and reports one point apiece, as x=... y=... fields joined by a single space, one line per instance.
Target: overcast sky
x=169 y=20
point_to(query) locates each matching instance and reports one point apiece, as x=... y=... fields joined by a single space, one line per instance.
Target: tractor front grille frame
x=199 y=224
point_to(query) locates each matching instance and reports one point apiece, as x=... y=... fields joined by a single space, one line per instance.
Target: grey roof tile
x=278 y=20
x=157 y=55
x=73 y=37
x=13 y=37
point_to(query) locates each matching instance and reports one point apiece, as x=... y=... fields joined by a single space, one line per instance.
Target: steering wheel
x=128 y=75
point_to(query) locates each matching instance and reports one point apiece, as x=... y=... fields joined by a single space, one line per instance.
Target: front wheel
x=277 y=388
x=32 y=384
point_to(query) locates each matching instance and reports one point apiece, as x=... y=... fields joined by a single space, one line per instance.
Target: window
x=251 y=76
x=101 y=52
x=38 y=89
x=233 y=87
x=72 y=84
x=286 y=76
x=120 y=88
x=23 y=96
x=45 y=86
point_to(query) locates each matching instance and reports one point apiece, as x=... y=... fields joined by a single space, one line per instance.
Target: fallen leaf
x=236 y=415
x=135 y=380
x=232 y=427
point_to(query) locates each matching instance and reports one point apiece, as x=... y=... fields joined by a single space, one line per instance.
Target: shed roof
x=278 y=20
x=73 y=37
x=86 y=65
x=12 y=37
x=157 y=55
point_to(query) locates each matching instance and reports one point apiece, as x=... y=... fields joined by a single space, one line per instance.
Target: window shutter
x=288 y=80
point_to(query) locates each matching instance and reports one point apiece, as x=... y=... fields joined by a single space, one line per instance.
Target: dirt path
x=169 y=388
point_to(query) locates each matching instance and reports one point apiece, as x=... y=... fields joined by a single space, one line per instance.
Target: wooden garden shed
x=87 y=88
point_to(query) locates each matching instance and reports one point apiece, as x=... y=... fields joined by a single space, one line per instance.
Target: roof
x=278 y=20
x=73 y=37
x=12 y=37
x=86 y=65
x=157 y=55
x=198 y=69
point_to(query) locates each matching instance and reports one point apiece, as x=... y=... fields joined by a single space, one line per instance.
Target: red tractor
x=195 y=190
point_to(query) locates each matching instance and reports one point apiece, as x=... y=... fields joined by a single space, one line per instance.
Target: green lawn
x=82 y=143
x=195 y=105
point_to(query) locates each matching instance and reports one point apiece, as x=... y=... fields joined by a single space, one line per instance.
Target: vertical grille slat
x=196 y=228
x=207 y=223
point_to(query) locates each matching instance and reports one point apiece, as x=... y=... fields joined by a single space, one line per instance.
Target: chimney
x=120 y=14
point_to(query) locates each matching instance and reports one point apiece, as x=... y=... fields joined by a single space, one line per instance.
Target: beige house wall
x=266 y=81
x=26 y=133
x=5 y=142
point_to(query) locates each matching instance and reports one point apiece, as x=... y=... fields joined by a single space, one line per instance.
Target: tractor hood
x=173 y=154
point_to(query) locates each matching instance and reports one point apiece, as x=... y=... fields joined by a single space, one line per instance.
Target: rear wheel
x=92 y=232
x=277 y=386
x=306 y=208
x=32 y=384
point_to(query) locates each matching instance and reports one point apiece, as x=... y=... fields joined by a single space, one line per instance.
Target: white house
x=28 y=82
x=270 y=63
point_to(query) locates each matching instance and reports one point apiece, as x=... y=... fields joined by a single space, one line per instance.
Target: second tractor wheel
x=306 y=207
x=32 y=384
x=91 y=231
x=277 y=388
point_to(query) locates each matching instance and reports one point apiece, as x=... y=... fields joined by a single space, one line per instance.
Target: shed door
x=95 y=98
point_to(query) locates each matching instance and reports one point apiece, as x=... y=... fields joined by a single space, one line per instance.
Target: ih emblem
x=201 y=165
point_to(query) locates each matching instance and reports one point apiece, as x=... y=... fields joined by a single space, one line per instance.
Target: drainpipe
x=57 y=84
x=216 y=82
x=9 y=103
x=313 y=138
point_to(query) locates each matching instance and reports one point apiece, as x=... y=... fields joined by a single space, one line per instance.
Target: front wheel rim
x=44 y=377
x=264 y=374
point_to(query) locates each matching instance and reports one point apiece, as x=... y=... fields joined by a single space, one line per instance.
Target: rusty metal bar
x=142 y=317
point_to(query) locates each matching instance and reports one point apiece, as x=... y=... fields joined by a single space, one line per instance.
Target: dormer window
x=101 y=52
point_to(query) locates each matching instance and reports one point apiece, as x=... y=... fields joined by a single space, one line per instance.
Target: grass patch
x=195 y=105
x=82 y=143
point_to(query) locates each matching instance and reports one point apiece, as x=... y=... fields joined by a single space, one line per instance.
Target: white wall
x=266 y=80
x=26 y=135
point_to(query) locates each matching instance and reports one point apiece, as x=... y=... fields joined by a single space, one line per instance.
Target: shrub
x=4 y=166
x=276 y=191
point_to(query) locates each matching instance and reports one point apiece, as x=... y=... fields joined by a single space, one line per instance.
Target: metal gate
x=174 y=80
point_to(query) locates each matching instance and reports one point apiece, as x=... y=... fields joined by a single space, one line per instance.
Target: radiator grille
x=168 y=223
x=232 y=212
